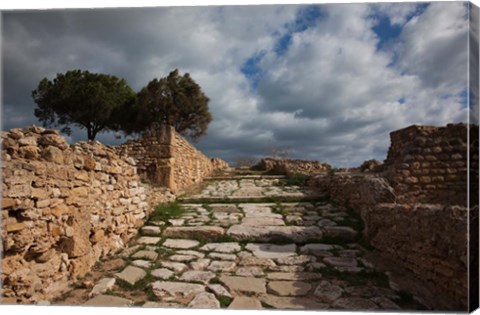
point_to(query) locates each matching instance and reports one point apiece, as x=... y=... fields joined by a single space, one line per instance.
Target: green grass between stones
x=167 y=211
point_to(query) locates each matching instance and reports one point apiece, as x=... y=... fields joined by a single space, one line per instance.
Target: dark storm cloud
x=330 y=95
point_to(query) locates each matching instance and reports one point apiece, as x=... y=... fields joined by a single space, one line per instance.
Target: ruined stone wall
x=289 y=167
x=168 y=159
x=63 y=208
x=429 y=164
x=416 y=216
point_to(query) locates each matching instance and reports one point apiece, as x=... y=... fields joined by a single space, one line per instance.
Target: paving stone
x=297 y=234
x=175 y=266
x=157 y=223
x=326 y=222
x=229 y=247
x=162 y=273
x=221 y=266
x=343 y=232
x=224 y=208
x=108 y=300
x=294 y=276
x=197 y=276
x=219 y=290
x=176 y=222
x=142 y=263
x=222 y=256
x=340 y=261
x=131 y=274
x=256 y=261
x=130 y=250
x=200 y=264
x=286 y=268
x=151 y=230
x=249 y=272
x=265 y=250
x=102 y=286
x=295 y=303
x=180 y=243
x=245 y=303
x=385 y=304
x=295 y=260
x=148 y=240
x=317 y=247
x=204 y=300
x=262 y=221
x=147 y=254
x=315 y=266
x=169 y=290
x=162 y=304
x=289 y=288
x=195 y=232
x=355 y=303
x=327 y=292
x=182 y=258
x=349 y=253
x=191 y=253
x=244 y=284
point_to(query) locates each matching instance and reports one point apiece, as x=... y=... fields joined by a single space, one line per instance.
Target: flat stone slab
x=317 y=247
x=147 y=254
x=245 y=303
x=102 y=286
x=151 y=230
x=195 y=232
x=355 y=303
x=170 y=290
x=222 y=256
x=249 y=272
x=191 y=253
x=175 y=266
x=204 y=300
x=289 y=288
x=197 y=276
x=295 y=234
x=142 y=263
x=256 y=261
x=272 y=250
x=162 y=273
x=200 y=264
x=294 y=276
x=219 y=290
x=294 y=303
x=108 y=300
x=342 y=232
x=340 y=261
x=295 y=260
x=180 y=243
x=244 y=284
x=226 y=266
x=148 y=240
x=182 y=258
x=131 y=274
x=328 y=292
x=229 y=247
x=262 y=221
x=162 y=304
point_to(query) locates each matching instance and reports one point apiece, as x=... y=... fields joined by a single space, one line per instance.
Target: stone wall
x=429 y=164
x=167 y=159
x=289 y=167
x=63 y=208
x=416 y=216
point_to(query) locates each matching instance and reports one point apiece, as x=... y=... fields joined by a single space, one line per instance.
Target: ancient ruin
x=155 y=223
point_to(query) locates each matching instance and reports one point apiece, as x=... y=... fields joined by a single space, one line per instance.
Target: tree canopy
x=174 y=100
x=87 y=100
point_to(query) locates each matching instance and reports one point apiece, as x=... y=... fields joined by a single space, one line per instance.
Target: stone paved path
x=247 y=242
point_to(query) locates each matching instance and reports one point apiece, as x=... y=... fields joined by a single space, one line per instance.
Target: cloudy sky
x=329 y=81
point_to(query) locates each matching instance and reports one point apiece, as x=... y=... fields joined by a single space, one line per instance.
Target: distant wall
x=289 y=167
x=63 y=208
x=429 y=164
x=167 y=159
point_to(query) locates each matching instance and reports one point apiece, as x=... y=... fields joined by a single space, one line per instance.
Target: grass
x=225 y=301
x=165 y=212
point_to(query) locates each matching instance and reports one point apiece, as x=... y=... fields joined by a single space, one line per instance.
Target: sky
x=327 y=81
